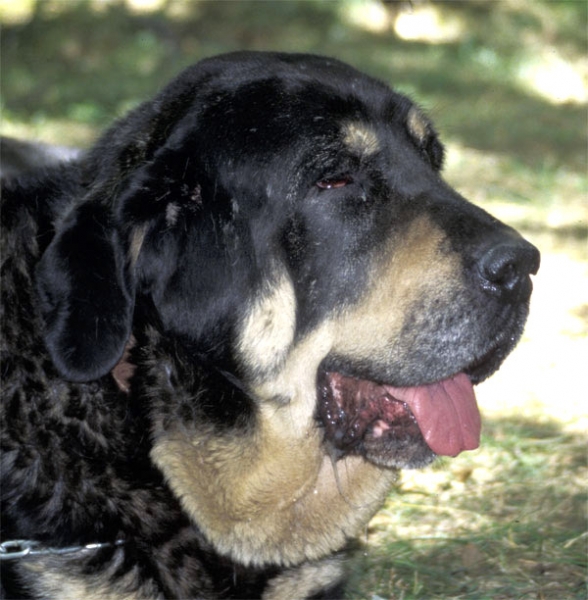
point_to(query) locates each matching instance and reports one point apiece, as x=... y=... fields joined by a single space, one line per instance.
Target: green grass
x=503 y=522
x=509 y=520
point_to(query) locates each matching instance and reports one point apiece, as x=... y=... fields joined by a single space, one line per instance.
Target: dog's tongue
x=447 y=413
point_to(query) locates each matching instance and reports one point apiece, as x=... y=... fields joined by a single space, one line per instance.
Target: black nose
x=505 y=267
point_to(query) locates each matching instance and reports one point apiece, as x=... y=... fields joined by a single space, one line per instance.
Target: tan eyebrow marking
x=361 y=138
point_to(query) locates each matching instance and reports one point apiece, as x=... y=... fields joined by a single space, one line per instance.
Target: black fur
x=161 y=240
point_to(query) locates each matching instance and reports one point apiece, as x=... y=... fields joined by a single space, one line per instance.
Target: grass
x=507 y=88
x=499 y=523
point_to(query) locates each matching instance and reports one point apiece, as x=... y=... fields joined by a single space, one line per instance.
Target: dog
x=228 y=324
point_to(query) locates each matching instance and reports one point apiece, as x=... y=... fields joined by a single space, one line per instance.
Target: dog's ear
x=86 y=294
x=85 y=279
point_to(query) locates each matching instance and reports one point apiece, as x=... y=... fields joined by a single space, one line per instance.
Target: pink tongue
x=446 y=412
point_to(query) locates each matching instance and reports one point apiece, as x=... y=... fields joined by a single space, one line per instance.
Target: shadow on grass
x=90 y=65
x=508 y=522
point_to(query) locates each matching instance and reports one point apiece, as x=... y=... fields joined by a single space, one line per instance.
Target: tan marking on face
x=413 y=268
x=271 y=495
x=294 y=385
x=361 y=138
x=268 y=328
x=418 y=124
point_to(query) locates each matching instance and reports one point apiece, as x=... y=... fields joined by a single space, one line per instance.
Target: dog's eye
x=333 y=183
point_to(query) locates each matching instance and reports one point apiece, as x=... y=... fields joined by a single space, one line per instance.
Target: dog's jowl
x=227 y=324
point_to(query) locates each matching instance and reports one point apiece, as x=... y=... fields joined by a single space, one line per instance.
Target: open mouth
x=399 y=426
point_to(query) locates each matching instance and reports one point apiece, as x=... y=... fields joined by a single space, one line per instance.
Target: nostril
x=506 y=267
x=499 y=267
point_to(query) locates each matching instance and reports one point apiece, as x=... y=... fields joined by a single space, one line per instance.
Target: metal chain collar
x=16 y=549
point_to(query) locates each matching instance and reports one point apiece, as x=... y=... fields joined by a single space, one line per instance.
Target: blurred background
x=506 y=83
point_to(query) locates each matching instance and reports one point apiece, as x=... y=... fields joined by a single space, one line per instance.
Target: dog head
x=285 y=219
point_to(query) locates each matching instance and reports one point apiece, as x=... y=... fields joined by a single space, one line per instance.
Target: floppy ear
x=86 y=294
